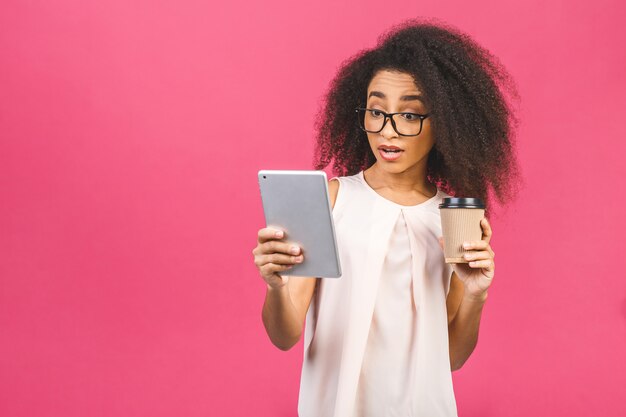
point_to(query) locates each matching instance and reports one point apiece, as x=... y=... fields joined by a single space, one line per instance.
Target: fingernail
x=294 y=249
x=466 y=245
x=279 y=234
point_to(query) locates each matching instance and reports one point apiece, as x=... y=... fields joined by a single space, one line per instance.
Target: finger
x=477 y=255
x=271 y=268
x=486 y=264
x=487 y=232
x=275 y=246
x=476 y=244
x=269 y=233
x=441 y=241
x=278 y=258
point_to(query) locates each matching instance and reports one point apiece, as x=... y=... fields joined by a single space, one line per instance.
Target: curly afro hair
x=467 y=92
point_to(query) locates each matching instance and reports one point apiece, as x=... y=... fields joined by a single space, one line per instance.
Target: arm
x=464 y=312
x=280 y=317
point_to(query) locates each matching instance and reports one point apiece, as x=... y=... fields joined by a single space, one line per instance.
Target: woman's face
x=392 y=92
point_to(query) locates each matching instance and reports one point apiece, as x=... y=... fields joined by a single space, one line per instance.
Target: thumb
x=284 y=279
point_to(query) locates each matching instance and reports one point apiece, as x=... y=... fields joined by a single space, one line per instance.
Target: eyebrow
x=403 y=98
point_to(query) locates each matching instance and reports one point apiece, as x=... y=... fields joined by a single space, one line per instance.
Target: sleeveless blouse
x=376 y=339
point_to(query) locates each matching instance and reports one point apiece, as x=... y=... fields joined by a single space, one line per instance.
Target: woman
x=419 y=117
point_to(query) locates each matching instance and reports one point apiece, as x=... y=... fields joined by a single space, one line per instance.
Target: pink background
x=130 y=138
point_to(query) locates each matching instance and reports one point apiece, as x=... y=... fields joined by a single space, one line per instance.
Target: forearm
x=463 y=330
x=280 y=318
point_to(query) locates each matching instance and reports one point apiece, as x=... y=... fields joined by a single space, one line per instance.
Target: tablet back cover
x=297 y=202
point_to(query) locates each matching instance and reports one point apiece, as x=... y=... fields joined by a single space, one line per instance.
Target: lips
x=389 y=147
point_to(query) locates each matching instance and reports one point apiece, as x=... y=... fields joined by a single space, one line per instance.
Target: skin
x=404 y=182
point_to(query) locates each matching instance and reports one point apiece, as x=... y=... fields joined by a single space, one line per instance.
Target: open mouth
x=390 y=154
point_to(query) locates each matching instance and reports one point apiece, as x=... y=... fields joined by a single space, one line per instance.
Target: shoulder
x=443 y=194
x=343 y=185
x=333 y=189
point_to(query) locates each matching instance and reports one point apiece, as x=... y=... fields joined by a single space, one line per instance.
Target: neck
x=404 y=182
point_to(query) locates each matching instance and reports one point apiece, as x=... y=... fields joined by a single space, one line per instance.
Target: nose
x=388 y=130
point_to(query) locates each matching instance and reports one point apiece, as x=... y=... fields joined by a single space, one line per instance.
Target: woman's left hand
x=477 y=275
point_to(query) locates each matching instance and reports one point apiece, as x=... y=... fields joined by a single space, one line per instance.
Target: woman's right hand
x=271 y=256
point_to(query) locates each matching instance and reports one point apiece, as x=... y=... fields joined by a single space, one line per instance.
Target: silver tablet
x=297 y=202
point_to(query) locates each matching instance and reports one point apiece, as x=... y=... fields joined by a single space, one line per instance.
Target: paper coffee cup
x=460 y=222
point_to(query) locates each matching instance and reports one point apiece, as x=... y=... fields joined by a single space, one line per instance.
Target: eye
x=376 y=113
x=411 y=117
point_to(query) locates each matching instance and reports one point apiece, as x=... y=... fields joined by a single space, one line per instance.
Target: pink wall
x=130 y=138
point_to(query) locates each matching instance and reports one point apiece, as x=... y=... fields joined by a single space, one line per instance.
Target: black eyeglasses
x=374 y=121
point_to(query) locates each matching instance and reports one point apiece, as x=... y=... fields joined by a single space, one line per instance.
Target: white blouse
x=376 y=339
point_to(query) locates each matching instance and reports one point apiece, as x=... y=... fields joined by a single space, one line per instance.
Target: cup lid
x=462 y=202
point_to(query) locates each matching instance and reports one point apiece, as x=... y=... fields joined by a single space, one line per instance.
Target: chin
x=391 y=167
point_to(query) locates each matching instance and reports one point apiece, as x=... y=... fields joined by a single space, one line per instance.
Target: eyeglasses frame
x=393 y=122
